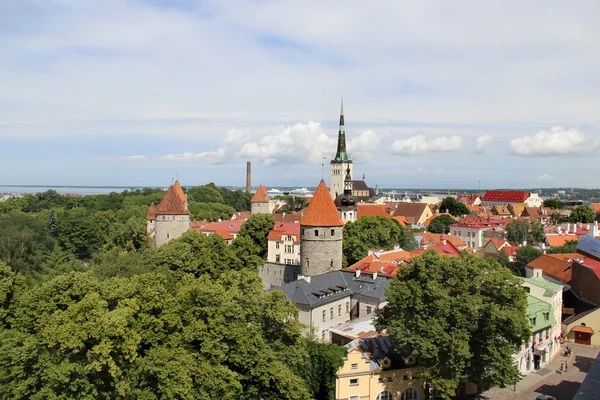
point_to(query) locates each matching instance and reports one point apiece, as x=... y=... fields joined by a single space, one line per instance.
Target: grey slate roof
x=334 y=285
x=377 y=348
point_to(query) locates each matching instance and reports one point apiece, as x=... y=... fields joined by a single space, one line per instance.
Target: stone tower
x=150 y=221
x=172 y=218
x=341 y=161
x=259 y=204
x=345 y=202
x=321 y=230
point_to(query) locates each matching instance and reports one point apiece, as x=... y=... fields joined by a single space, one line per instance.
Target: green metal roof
x=550 y=287
x=536 y=308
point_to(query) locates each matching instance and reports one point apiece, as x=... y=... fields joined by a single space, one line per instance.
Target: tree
x=205 y=194
x=257 y=228
x=524 y=256
x=554 y=204
x=374 y=232
x=321 y=368
x=570 y=246
x=441 y=224
x=584 y=214
x=210 y=211
x=517 y=232
x=536 y=232
x=53 y=224
x=456 y=208
x=461 y=318
x=503 y=258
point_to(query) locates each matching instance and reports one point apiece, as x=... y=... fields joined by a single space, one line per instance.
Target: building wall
x=473 y=237
x=369 y=385
x=320 y=250
x=275 y=275
x=348 y=215
x=259 y=208
x=169 y=227
x=430 y=200
x=336 y=178
x=534 y=200
x=277 y=248
x=585 y=284
x=150 y=227
x=367 y=307
x=591 y=320
x=314 y=321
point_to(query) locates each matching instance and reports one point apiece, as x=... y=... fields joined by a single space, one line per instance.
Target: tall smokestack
x=248 y=176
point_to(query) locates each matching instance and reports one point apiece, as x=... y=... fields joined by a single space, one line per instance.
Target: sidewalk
x=534 y=377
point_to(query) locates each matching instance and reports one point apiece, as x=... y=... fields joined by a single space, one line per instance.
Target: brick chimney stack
x=248 y=176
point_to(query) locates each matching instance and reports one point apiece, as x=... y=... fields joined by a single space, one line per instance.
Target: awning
x=582 y=329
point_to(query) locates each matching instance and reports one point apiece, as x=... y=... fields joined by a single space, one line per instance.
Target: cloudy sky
x=436 y=94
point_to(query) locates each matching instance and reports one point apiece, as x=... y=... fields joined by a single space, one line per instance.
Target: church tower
x=172 y=217
x=345 y=202
x=321 y=233
x=259 y=204
x=341 y=161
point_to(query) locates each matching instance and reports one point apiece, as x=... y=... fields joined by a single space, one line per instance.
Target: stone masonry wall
x=320 y=251
x=259 y=208
x=168 y=227
x=274 y=274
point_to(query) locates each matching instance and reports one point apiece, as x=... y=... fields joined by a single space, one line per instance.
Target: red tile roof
x=241 y=215
x=287 y=217
x=173 y=202
x=582 y=329
x=467 y=199
x=364 y=210
x=151 y=213
x=560 y=240
x=231 y=226
x=224 y=234
x=508 y=196
x=434 y=239
x=282 y=229
x=557 y=266
x=260 y=196
x=321 y=211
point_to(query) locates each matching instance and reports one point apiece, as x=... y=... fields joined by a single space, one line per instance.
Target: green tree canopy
x=570 y=246
x=461 y=317
x=210 y=211
x=524 y=256
x=441 y=224
x=205 y=194
x=554 y=204
x=374 y=232
x=584 y=214
x=456 y=208
x=257 y=228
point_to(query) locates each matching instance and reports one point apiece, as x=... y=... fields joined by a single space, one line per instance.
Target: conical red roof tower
x=173 y=202
x=321 y=211
x=260 y=196
x=151 y=213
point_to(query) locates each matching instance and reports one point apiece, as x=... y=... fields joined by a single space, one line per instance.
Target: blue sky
x=437 y=94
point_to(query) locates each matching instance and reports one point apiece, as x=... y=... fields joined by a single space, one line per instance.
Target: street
x=548 y=380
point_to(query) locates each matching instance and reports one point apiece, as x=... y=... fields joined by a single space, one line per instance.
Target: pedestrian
x=566 y=366
x=562 y=367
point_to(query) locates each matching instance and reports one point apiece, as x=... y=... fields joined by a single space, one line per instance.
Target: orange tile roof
x=287 y=217
x=364 y=210
x=582 y=329
x=231 y=226
x=401 y=220
x=560 y=240
x=281 y=229
x=498 y=243
x=260 y=196
x=434 y=216
x=596 y=207
x=173 y=202
x=435 y=239
x=557 y=266
x=321 y=211
x=151 y=213
x=224 y=234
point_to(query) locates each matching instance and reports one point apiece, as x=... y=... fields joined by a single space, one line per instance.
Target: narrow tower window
x=316 y=232
x=333 y=232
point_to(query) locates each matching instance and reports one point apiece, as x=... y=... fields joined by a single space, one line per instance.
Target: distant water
x=77 y=190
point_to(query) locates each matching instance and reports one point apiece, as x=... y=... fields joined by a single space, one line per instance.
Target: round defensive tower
x=321 y=234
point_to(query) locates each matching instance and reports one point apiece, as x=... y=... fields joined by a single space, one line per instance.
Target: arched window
x=410 y=394
x=385 y=396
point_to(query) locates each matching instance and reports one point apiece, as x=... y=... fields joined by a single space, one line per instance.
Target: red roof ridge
x=260 y=196
x=321 y=211
x=173 y=202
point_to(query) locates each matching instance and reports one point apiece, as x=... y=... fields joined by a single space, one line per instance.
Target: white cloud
x=206 y=157
x=558 y=141
x=136 y=158
x=366 y=145
x=544 y=177
x=419 y=144
x=483 y=142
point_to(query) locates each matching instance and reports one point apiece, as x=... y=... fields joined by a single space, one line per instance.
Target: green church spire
x=341 y=154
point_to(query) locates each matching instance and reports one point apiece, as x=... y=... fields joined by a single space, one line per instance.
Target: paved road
x=563 y=387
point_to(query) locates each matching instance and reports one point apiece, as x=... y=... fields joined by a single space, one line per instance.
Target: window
x=277 y=258
x=354 y=366
x=533 y=321
x=410 y=394
x=340 y=310
x=354 y=382
x=386 y=395
x=324 y=315
x=316 y=232
x=331 y=265
x=167 y=235
x=368 y=310
x=289 y=248
x=528 y=290
x=546 y=316
x=331 y=313
x=347 y=307
x=323 y=335
x=353 y=398
x=276 y=245
x=333 y=232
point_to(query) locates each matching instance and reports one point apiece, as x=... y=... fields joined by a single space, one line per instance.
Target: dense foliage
x=584 y=214
x=374 y=232
x=461 y=317
x=441 y=224
x=524 y=256
x=570 y=246
x=456 y=208
x=518 y=232
x=554 y=204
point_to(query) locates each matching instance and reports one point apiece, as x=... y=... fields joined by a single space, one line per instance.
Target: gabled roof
x=223 y=233
x=557 y=266
x=260 y=196
x=280 y=229
x=467 y=199
x=497 y=243
x=231 y=226
x=412 y=211
x=287 y=217
x=434 y=239
x=576 y=317
x=365 y=209
x=560 y=240
x=321 y=211
x=241 y=215
x=507 y=196
x=151 y=213
x=173 y=202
